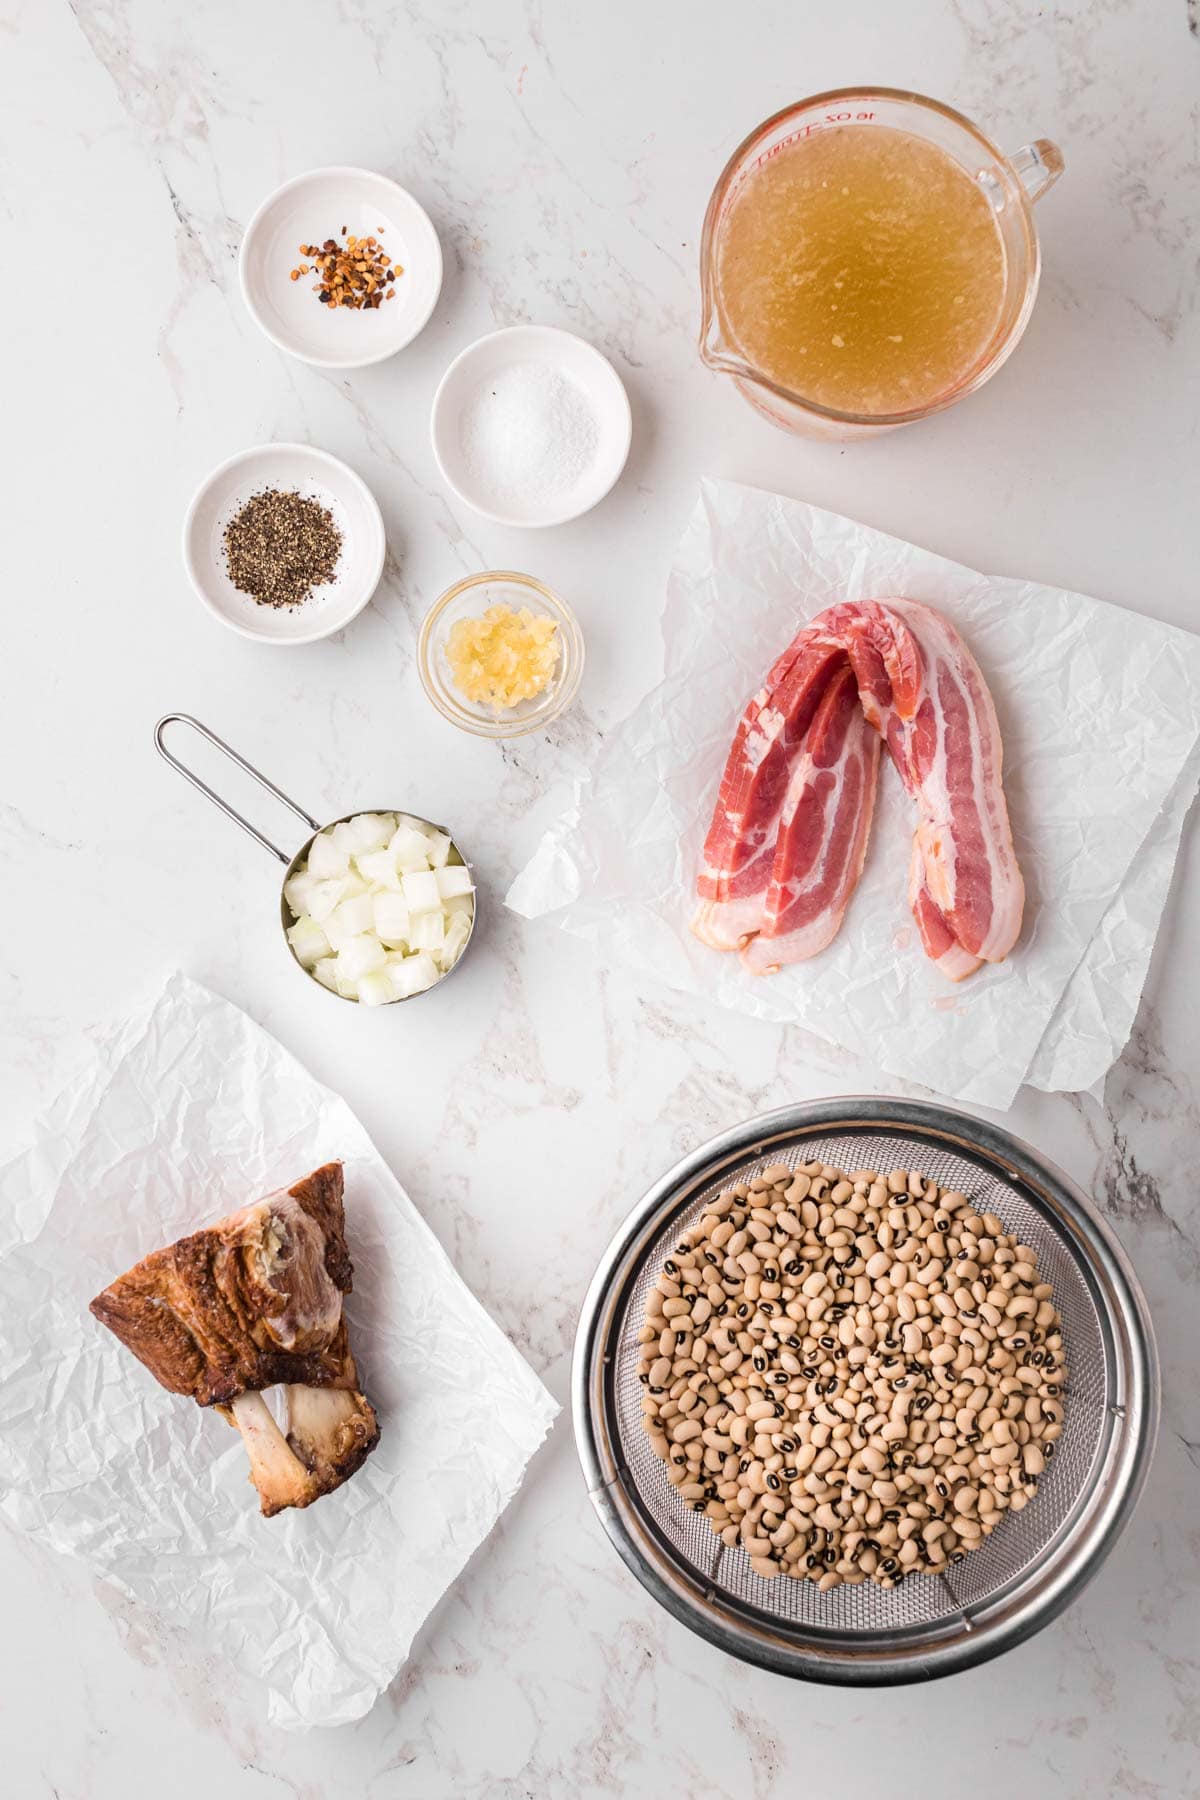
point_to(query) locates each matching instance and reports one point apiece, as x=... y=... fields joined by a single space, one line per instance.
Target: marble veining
x=565 y=154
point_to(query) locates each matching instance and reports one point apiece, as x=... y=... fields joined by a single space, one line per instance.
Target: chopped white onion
x=354 y=915
x=409 y=848
x=376 y=989
x=308 y=941
x=380 y=911
x=391 y=918
x=439 y=849
x=325 y=858
x=337 y=933
x=427 y=931
x=368 y=831
x=378 y=867
x=420 y=890
x=298 y=891
x=412 y=975
x=454 y=881
x=323 y=896
x=361 y=956
x=458 y=930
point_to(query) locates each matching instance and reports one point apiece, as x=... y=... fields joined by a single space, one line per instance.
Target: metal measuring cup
x=293 y=863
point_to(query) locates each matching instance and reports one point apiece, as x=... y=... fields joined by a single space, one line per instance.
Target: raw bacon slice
x=788 y=836
x=739 y=851
x=941 y=946
x=924 y=691
x=823 y=831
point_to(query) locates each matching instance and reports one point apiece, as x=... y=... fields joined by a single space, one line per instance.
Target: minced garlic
x=503 y=657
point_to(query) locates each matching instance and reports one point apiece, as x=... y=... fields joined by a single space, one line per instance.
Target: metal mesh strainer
x=1033 y=1564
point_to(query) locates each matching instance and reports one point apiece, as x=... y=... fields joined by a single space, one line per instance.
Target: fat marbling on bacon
x=740 y=849
x=789 y=832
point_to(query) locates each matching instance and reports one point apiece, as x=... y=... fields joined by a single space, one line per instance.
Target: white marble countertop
x=565 y=154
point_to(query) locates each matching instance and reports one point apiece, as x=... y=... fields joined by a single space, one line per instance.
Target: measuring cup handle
x=203 y=787
x=1037 y=166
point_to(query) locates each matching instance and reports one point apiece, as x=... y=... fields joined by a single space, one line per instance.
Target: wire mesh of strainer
x=1033 y=1564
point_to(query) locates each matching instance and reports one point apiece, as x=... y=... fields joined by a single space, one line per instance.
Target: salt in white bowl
x=578 y=362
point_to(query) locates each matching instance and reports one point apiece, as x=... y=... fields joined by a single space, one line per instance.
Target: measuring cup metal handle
x=1037 y=166
x=203 y=787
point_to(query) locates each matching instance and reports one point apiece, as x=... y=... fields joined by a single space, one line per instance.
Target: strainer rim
x=1051 y=1581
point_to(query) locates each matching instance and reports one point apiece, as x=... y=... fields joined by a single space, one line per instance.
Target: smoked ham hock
x=253 y=1302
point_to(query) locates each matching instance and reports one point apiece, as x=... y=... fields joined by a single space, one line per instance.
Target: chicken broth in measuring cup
x=861 y=267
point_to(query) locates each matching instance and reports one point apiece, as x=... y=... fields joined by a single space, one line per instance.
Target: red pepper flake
x=352 y=274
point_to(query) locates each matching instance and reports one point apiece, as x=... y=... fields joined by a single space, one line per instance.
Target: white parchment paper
x=192 y=1111
x=1091 y=1023
x=1100 y=714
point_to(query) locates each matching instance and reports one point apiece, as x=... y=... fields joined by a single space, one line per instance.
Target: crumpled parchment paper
x=1100 y=715
x=192 y=1111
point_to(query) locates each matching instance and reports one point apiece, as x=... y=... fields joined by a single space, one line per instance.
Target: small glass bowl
x=468 y=599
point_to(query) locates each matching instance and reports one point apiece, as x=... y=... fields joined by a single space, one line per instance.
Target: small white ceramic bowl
x=318 y=476
x=310 y=209
x=576 y=360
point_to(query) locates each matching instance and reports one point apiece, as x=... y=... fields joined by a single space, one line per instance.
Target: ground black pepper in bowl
x=279 y=546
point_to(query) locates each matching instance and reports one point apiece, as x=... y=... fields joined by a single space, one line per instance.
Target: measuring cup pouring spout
x=715 y=353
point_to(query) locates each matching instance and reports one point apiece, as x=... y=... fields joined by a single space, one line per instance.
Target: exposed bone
x=276 y=1471
x=331 y=1430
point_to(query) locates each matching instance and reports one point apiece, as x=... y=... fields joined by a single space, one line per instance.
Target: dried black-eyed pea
x=855 y=1392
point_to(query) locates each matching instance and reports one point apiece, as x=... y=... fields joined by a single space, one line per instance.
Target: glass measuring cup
x=1010 y=183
